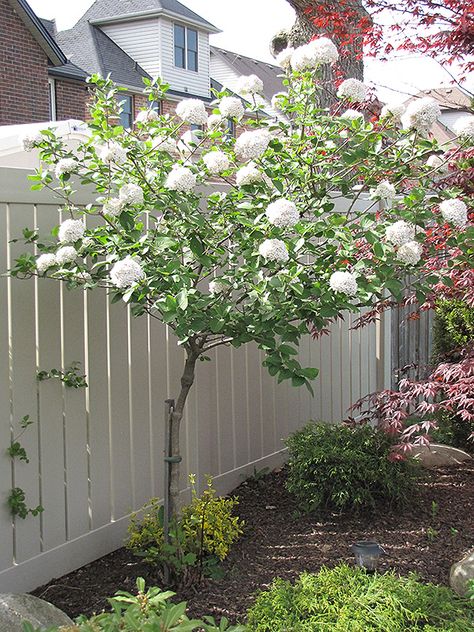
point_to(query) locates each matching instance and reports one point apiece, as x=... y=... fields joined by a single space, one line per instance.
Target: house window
x=157 y=106
x=231 y=131
x=185 y=48
x=126 y=107
x=52 y=100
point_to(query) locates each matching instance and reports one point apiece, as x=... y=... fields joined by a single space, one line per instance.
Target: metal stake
x=169 y=408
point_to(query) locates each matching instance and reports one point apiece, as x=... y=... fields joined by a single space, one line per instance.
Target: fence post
x=169 y=408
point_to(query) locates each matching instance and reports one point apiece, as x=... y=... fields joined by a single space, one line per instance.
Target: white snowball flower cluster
x=352 y=89
x=393 y=110
x=249 y=84
x=282 y=213
x=66 y=254
x=454 y=211
x=310 y=56
x=421 y=114
x=147 y=116
x=45 y=262
x=400 y=233
x=28 y=141
x=283 y=59
x=71 y=230
x=216 y=162
x=252 y=144
x=131 y=194
x=164 y=143
x=464 y=127
x=384 y=191
x=180 y=179
x=352 y=115
x=248 y=174
x=231 y=107
x=344 y=282
x=274 y=250
x=192 y=111
x=126 y=272
x=439 y=163
x=217 y=287
x=112 y=153
x=215 y=120
x=113 y=207
x=65 y=165
x=410 y=253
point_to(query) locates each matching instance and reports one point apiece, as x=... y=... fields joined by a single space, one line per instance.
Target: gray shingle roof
x=68 y=71
x=88 y=47
x=103 y=10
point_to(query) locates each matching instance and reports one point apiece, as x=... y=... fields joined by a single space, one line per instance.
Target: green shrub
x=340 y=468
x=453 y=430
x=202 y=536
x=453 y=328
x=346 y=599
x=150 y=611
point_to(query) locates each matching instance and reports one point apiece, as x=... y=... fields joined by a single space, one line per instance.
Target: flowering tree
x=269 y=257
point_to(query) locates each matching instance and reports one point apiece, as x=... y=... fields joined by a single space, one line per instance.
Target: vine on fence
x=71 y=376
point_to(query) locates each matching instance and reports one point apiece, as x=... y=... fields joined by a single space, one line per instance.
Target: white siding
x=180 y=79
x=141 y=40
x=450 y=117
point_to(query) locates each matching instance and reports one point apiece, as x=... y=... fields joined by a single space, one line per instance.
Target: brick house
x=46 y=70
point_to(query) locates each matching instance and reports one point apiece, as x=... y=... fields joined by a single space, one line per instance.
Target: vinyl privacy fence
x=96 y=454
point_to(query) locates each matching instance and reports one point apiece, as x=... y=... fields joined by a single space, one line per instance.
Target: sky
x=248 y=26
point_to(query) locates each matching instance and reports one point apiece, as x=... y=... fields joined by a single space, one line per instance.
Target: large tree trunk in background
x=351 y=64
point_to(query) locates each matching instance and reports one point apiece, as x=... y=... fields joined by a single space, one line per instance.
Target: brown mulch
x=280 y=543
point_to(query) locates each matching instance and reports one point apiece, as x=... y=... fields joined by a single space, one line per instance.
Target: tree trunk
x=187 y=380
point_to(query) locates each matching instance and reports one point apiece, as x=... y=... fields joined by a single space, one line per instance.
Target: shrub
x=149 y=611
x=339 y=467
x=346 y=599
x=453 y=328
x=200 y=538
x=452 y=430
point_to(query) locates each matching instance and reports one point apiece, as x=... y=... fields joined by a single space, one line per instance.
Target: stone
x=461 y=572
x=438 y=455
x=15 y=609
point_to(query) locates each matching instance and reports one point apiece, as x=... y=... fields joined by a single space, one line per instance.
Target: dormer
x=163 y=36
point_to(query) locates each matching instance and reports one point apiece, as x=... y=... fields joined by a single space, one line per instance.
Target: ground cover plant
x=343 y=468
x=346 y=599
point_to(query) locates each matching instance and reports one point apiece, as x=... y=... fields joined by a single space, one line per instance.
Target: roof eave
x=39 y=32
x=156 y=13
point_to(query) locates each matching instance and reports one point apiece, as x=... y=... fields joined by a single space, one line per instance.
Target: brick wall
x=72 y=98
x=24 y=92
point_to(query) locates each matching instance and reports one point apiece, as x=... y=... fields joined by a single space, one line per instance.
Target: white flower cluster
x=352 y=115
x=216 y=162
x=352 y=89
x=248 y=174
x=147 y=116
x=344 y=282
x=252 y=144
x=410 y=253
x=113 y=206
x=439 y=163
x=71 y=230
x=284 y=58
x=231 y=107
x=310 y=56
x=131 y=194
x=464 y=127
x=249 y=84
x=454 y=211
x=180 y=179
x=421 y=114
x=217 y=287
x=164 y=143
x=65 y=165
x=126 y=272
x=215 y=120
x=384 y=191
x=112 y=153
x=45 y=262
x=393 y=110
x=282 y=213
x=400 y=233
x=192 y=111
x=274 y=250
x=28 y=141
x=66 y=254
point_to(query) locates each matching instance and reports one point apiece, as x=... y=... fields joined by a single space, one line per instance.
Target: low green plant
x=149 y=611
x=337 y=467
x=347 y=599
x=70 y=377
x=453 y=328
x=200 y=538
x=453 y=430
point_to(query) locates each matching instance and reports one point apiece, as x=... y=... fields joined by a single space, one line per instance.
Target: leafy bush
x=200 y=538
x=452 y=430
x=150 y=611
x=453 y=328
x=346 y=599
x=339 y=467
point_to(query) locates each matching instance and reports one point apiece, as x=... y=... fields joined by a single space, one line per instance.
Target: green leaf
x=182 y=299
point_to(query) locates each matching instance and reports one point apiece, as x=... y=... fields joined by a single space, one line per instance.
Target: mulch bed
x=280 y=543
